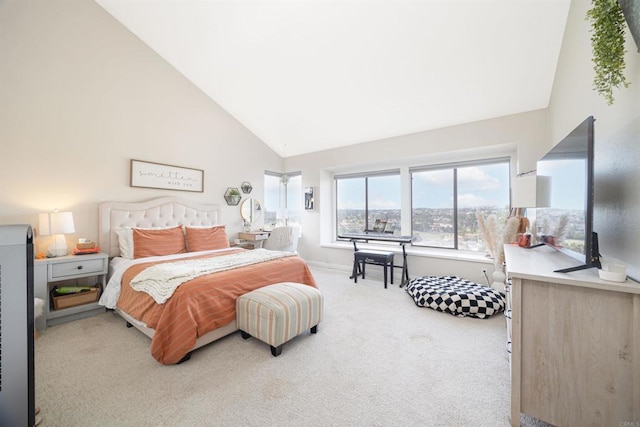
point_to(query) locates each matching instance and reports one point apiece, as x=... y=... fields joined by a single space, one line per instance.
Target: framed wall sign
x=168 y=177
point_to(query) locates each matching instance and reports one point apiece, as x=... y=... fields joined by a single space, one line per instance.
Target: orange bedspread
x=204 y=303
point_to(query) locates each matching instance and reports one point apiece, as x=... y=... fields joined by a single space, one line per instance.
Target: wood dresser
x=575 y=342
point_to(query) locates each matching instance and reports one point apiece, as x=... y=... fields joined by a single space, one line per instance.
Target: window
x=445 y=200
x=283 y=198
x=363 y=199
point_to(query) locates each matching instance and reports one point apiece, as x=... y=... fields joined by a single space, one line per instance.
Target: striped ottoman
x=276 y=313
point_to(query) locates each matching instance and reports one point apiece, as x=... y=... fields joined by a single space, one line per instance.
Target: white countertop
x=539 y=264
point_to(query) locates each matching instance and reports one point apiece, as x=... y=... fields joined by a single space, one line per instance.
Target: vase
x=498 y=277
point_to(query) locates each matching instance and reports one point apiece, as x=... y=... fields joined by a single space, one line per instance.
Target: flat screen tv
x=567 y=224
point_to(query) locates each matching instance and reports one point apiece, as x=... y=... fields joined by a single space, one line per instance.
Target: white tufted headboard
x=160 y=212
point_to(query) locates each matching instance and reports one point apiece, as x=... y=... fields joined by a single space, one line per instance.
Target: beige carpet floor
x=377 y=360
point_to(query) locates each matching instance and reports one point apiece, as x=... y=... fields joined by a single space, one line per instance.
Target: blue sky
x=478 y=186
x=567 y=182
x=486 y=185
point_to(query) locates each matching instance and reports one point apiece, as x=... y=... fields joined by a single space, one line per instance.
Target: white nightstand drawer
x=254 y=235
x=75 y=268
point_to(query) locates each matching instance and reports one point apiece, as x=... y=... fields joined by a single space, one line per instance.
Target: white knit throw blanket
x=161 y=280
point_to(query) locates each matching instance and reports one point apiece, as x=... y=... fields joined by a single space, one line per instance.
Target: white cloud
x=469 y=200
x=436 y=177
x=476 y=179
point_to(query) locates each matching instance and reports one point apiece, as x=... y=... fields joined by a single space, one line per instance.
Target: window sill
x=450 y=254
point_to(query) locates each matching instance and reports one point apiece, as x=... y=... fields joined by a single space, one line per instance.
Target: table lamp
x=57 y=224
x=531 y=191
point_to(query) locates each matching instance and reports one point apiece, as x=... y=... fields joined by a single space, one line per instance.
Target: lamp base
x=57 y=247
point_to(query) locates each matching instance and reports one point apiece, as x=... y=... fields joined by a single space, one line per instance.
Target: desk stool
x=363 y=257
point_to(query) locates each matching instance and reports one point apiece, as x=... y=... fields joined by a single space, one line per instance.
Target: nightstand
x=254 y=238
x=70 y=270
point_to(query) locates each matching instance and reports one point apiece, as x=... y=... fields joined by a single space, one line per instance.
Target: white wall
x=81 y=96
x=573 y=98
x=617 y=136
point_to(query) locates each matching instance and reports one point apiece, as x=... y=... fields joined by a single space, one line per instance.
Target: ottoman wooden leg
x=245 y=335
x=276 y=350
x=314 y=329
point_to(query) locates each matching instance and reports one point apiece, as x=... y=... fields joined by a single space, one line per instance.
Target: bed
x=141 y=239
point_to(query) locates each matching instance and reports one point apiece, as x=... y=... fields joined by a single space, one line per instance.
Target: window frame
x=366 y=176
x=494 y=155
x=283 y=196
x=455 y=166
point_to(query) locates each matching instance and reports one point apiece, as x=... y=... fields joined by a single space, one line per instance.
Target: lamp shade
x=56 y=223
x=531 y=191
x=543 y=191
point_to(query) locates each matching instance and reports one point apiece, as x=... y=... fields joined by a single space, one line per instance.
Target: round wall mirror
x=251 y=210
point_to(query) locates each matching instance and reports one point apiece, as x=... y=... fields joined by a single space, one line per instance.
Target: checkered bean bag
x=456 y=296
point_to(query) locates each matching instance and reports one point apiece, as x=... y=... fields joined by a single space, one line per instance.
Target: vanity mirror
x=251 y=210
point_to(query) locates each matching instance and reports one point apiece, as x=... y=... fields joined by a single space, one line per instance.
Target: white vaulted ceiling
x=310 y=75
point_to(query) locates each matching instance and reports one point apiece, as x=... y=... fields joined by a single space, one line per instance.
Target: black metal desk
x=382 y=237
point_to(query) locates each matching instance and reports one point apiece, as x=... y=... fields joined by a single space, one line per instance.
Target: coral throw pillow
x=207 y=238
x=166 y=241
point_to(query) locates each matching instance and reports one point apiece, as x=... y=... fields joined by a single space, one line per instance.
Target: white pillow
x=125 y=239
x=125 y=242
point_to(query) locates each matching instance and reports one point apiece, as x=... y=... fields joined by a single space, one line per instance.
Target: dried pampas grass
x=561 y=229
x=494 y=237
x=510 y=230
x=488 y=229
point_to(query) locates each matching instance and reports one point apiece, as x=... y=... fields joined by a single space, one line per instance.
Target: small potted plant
x=232 y=196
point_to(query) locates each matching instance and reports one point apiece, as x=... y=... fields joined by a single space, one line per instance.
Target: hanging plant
x=607 y=41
